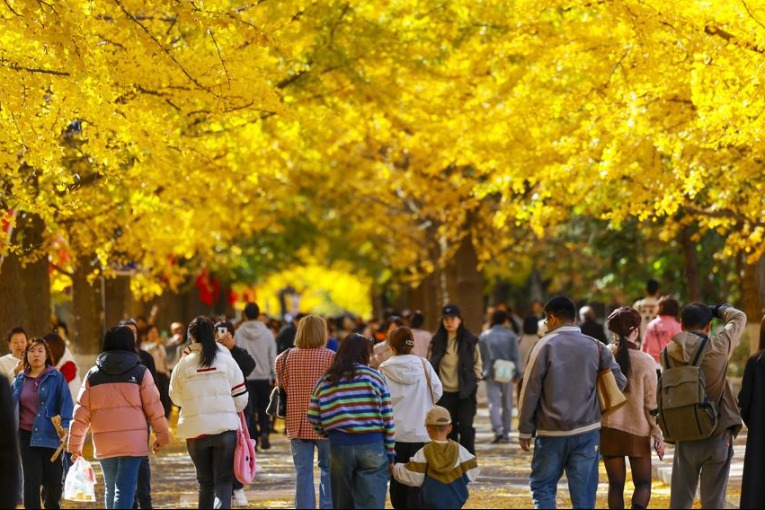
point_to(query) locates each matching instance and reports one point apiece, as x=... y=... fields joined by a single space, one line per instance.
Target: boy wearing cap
x=442 y=468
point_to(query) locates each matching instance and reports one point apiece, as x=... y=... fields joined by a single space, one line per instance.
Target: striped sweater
x=354 y=407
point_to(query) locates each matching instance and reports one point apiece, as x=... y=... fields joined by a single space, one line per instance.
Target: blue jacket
x=55 y=400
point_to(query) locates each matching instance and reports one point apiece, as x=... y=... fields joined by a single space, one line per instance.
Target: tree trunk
x=87 y=328
x=12 y=304
x=470 y=285
x=691 y=266
x=171 y=309
x=25 y=280
x=753 y=299
x=450 y=277
x=119 y=300
x=424 y=297
x=431 y=307
x=378 y=301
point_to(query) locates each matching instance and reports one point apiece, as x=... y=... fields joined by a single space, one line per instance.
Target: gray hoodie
x=559 y=396
x=254 y=337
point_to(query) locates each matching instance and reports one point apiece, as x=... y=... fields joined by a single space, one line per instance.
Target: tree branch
x=17 y=67
x=724 y=213
x=7 y=4
x=751 y=14
x=732 y=39
x=164 y=50
x=292 y=79
x=220 y=57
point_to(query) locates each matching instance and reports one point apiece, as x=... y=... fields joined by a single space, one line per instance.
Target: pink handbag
x=245 y=465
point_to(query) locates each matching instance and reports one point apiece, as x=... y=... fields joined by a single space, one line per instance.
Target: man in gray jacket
x=708 y=458
x=559 y=405
x=254 y=337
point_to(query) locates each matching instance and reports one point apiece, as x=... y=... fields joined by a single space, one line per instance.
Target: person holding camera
x=224 y=335
x=711 y=456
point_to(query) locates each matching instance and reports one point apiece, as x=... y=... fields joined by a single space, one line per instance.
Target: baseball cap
x=451 y=311
x=438 y=415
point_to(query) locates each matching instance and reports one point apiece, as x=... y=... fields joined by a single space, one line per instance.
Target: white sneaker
x=239 y=498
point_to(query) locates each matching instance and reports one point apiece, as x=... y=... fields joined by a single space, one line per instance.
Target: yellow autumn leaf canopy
x=156 y=133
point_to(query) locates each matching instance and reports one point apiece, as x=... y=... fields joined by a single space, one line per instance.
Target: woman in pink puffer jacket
x=115 y=402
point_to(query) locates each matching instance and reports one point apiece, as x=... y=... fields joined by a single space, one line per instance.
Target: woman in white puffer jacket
x=414 y=388
x=208 y=386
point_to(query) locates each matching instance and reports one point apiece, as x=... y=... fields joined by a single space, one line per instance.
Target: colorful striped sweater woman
x=351 y=405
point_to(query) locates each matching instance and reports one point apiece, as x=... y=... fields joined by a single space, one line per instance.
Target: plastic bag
x=80 y=482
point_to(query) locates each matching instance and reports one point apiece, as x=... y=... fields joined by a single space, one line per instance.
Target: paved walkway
x=503 y=482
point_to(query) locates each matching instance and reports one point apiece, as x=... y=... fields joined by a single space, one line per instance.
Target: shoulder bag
x=504 y=370
x=427 y=378
x=245 y=465
x=277 y=403
x=610 y=396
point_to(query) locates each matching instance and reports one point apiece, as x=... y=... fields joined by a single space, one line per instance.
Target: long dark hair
x=201 y=331
x=624 y=321
x=443 y=335
x=762 y=340
x=355 y=349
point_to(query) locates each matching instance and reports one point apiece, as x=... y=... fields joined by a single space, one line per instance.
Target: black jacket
x=117 y=366
x=9 y=452
x=466 y=348
x=244 y=360
x=751 y=401
x=147 y=360
x=595 y=330
x=286 y=338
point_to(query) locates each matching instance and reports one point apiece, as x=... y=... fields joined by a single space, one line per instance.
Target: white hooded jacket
x=405 y=376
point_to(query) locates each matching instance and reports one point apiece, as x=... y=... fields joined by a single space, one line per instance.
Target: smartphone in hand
x=659 y=453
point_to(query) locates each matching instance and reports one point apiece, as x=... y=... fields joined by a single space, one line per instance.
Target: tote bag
x=245 y=465
x=610 y=396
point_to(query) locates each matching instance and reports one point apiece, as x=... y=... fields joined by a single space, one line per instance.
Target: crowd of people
x=385 y=408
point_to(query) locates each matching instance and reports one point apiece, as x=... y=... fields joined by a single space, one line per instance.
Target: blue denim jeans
x=120 y=479
x=213 y=458
x=359 y=475
x=302 y=455
x=578 y=455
